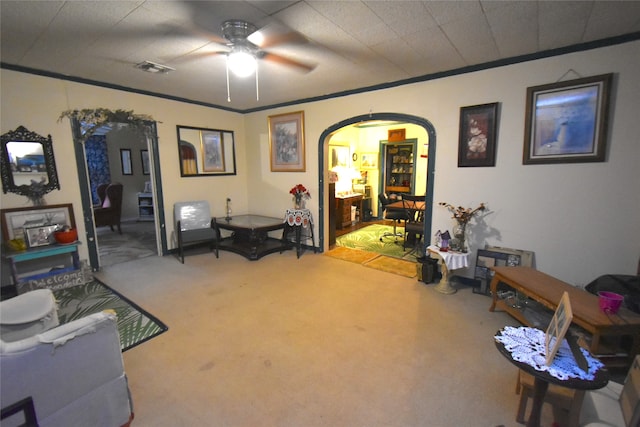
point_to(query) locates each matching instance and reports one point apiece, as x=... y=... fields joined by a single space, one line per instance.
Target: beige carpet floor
x=314 y=341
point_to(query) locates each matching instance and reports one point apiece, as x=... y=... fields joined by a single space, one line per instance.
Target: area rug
x=368 y=239
x=351 y=255
x=135 y=325
x=393 y=265
x=138 y=240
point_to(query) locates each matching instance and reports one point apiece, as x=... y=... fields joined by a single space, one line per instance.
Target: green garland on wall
x=92 y=119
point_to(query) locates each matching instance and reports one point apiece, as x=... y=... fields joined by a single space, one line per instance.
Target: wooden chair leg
x=524 y=393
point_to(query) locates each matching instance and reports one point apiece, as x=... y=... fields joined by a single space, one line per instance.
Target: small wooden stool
x=559 y=397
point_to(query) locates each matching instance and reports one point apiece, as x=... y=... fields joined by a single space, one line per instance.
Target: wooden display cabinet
x=399 y=167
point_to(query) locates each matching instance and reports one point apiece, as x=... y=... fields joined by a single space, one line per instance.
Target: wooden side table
x=299 y=221
x=448 y=261
x=599 y=377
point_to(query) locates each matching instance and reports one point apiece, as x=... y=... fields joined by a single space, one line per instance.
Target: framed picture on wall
x=212 y=151
x=144 y=158
x=286 y=142
x=566 y=122
x=477 y=137
x=369 y=161
x=339 y=156
x=125 y=160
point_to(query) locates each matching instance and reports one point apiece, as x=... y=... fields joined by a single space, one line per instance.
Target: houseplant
x=462 y=217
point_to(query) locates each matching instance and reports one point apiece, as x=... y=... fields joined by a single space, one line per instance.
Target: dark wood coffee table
x=250 y=235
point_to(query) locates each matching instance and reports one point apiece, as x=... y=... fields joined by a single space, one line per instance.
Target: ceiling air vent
x=152 y=67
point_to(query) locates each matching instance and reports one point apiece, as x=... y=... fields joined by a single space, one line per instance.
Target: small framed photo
x=144 y=158
x=558 y=328
x=566 y=122
x=212 y=151
x=477 y=140
x=286 y=142
x=125 y=159
x=39 y=236
x=369 y=161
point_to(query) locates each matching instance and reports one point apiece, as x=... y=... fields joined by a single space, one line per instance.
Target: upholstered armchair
x=110 y=210
x=69 y=375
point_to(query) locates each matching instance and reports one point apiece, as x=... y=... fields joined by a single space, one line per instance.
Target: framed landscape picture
x=286 y=142
x=212 y=151
x=369 y=161
x=16 y=220
x=477 y=140
x=566 y=122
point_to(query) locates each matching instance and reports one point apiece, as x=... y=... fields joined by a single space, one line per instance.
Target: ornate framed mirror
x=206 y=152
x=28 y=166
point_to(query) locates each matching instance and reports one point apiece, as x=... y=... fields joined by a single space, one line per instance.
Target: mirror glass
x=206 y=152
x=28 y=164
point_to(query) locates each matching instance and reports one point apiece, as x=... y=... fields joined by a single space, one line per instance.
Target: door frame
x=398 y=117
x=151 y=136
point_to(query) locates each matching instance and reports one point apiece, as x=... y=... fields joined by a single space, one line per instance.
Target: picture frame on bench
x=16 y=220
x=496 y=256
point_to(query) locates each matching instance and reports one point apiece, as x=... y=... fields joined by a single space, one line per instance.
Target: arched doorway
x=394 y=117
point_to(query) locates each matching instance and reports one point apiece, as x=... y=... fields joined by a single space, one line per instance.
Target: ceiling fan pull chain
x=228 y=91
x=257 y=87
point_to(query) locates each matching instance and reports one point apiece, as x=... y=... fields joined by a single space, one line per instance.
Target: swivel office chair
x=396 y=215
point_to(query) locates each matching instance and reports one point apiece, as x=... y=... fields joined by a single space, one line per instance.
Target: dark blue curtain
x=97 y=163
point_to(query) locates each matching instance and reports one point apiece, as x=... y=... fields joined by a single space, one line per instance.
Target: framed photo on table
x=558 y=328
x=286 y=142
x=16 y=220
x=566 y=122
x=39 y=236
x=477 y=137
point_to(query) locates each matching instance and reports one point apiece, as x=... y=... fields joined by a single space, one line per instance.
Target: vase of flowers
x=300 y=195
x=462 y=217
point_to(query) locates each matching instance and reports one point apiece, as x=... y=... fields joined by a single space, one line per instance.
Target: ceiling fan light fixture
x=241 y=62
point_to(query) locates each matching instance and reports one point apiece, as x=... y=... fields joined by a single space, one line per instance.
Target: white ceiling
x=354 y=44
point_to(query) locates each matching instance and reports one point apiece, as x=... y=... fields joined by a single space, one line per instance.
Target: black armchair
x=110 y=210
x=414 y=225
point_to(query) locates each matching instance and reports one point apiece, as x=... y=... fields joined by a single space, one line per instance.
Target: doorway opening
x=116 y=153
x=366 y=160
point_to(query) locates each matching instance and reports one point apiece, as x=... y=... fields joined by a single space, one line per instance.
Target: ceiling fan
x=246 y=45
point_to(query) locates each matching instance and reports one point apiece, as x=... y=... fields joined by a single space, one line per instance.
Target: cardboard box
x=630 y=396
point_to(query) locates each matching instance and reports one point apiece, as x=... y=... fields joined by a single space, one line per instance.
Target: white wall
x=36 y=102
x=581 y=220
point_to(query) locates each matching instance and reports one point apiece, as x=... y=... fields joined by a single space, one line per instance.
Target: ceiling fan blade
x=275 y=34
x=195 y=56
x=287 y=61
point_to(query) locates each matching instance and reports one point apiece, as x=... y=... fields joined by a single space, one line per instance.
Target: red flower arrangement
x=300 y=191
